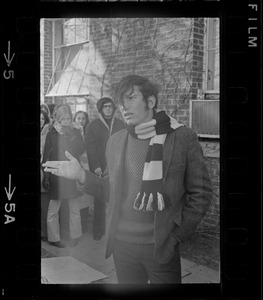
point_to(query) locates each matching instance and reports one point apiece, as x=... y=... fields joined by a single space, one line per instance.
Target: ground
x=202 y=250
x=198 y=249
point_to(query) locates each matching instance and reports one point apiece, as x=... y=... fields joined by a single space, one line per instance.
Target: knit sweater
x=134 y=226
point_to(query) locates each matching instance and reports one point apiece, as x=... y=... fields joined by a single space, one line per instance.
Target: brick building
x=82 y=59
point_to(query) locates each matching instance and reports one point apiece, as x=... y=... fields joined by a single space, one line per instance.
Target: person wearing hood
x=96 y=138
x=157 y=188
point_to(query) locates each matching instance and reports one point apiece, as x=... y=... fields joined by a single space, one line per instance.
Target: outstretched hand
x=69 y=169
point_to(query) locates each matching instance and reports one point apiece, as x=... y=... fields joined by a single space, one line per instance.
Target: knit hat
x=103 y=101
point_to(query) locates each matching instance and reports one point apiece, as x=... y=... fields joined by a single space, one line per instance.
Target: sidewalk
x=92 y=253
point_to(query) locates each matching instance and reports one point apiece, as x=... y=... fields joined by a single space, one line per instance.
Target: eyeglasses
x=107 y=106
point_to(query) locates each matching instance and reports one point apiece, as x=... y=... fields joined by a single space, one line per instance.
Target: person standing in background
x=52 y=108
x=44 y=106
x=81 y=120
x=44 y=127
x=62 y=136
x=96 y=138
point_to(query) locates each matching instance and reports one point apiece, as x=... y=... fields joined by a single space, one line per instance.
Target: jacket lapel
x=167 y=153
x=118 y=150
x=117 y=172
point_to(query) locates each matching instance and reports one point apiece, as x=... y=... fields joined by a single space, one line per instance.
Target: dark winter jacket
x=96 y=138
x=55 y=147
x=185 y=179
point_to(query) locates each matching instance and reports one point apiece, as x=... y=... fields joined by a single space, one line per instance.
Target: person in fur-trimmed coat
x=97 y=135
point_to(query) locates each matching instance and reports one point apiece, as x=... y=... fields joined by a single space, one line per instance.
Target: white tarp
x=67 y=270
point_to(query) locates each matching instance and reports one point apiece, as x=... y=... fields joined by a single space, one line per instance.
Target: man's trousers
x=135 y=264
x=53 y=228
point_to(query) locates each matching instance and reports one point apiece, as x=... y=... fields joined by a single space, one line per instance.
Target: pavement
x=92 y=253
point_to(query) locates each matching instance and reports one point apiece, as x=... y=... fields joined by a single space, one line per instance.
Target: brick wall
x=100 y=56
x=164 y=50
x=47 y=56
x=210 y=226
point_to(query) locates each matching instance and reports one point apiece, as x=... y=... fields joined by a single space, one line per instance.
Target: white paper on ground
x=67 y=270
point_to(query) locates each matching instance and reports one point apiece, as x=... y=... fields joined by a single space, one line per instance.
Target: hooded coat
x=97 y=135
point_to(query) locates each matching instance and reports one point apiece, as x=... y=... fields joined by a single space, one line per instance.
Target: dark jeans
x=135 y=264
x=99 y=217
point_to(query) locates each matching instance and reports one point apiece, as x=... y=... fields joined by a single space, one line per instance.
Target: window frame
x=87 y=24
x=206 y=90
x=57 y=48
x=206 y=94
x=202 y=135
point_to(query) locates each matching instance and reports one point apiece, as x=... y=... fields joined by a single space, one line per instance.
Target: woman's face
x=81 y=119
x=65 y=119
x=42 y=121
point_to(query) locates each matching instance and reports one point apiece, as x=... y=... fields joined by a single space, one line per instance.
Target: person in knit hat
x=158 y=187
x=97 y=135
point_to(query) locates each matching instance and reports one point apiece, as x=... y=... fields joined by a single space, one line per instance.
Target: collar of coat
x=105 y=123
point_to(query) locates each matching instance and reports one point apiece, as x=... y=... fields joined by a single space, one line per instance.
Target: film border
x=20 y=171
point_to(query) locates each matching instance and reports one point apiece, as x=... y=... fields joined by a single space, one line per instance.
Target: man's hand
x=69 y=169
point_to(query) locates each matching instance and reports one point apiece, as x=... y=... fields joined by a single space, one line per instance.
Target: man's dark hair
x=105 y=100
x=145 y=86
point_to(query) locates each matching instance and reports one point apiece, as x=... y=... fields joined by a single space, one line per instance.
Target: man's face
x=107 y=110
x=134 y=109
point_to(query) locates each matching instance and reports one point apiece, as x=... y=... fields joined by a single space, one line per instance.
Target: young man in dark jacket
x=158 y=187
x=96 y=139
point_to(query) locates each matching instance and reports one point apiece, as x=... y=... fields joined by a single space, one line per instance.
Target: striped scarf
x=152 y=197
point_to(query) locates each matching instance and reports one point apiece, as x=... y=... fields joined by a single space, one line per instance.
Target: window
x=204 y=117
x=211 y=62
x=76 y=103
x=204 y=112
x=75 y=31
x=70 y=58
